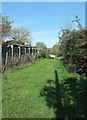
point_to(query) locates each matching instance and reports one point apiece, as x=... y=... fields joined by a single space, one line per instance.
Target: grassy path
x=21 y=90
x=44 y=90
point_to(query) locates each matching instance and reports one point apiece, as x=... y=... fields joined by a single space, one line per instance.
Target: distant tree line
x=45 y=52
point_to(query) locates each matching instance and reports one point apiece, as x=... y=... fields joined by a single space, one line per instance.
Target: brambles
x=74 y=51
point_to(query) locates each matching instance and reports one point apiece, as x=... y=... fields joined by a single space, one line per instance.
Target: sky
x=44 y=19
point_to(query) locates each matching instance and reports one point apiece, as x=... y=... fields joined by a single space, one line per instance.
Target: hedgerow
x=74 y=50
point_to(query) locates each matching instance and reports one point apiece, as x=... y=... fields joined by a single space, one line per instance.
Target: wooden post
x=36 y=50
x=29 y=50
x=6 y=60
x=25 y=51
x=19 y=51
x=12 y=51
x=32 y=51
x=0 y=58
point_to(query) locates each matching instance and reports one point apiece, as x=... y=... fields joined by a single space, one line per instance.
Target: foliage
x=66 y=94
x=63 y=92
x=44 y=53
x=56 y=50
x=74 y=51
x=41 y=45
x=18 y=62
x=74 y=48
x=21 y=34
x=5 y=26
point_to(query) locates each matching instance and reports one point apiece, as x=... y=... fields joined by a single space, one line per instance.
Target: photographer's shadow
x=67 y=97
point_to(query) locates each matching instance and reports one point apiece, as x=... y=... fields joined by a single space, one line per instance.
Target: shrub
x=74 y=51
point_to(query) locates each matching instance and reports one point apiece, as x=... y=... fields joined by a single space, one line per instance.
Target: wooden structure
x=15 y=50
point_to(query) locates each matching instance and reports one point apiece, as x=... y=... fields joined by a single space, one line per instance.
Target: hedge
x=74 y=50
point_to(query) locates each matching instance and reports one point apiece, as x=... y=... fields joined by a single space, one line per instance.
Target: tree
x=74 y=48
x=44 y=51
x=21 y=34
x=5 y=27
x=74 y=51
x=56 y=49
x=77 y=22
x=41 y=45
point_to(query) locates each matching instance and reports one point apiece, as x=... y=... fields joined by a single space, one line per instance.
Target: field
x=44 y=89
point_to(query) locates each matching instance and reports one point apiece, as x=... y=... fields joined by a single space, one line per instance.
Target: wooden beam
x=12 y=52
x=0 y=58
x=19 y=48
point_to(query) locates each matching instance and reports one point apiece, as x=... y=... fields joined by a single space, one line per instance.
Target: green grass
x=21 y=90
x=41 y=90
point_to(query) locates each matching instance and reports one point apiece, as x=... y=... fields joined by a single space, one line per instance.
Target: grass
x=21 y=90
x=42 y=90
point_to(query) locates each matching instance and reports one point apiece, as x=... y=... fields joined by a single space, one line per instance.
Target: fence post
x=19 y=51
x=35 y=51
x=32 y=51
x=0 y=58
x=25 y=51
x=29 y=50
x=12 y=51
x=6 y=59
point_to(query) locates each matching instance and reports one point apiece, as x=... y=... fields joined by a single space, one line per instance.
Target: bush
x=18 y=62
x=74 y=51
x=44 y=53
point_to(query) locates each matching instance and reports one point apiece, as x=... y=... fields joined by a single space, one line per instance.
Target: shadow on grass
x=68 y=98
